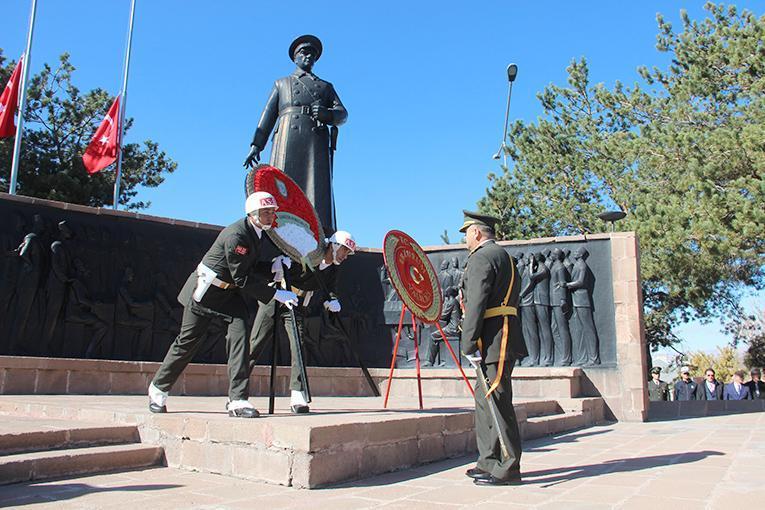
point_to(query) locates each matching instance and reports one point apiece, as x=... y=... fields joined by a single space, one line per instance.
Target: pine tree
x=683 y=154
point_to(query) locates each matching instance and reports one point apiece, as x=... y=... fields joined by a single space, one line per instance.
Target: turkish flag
x=104 y=146
x=9 y=101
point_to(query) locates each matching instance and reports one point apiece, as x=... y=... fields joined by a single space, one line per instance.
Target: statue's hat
x=474 y=218
x=306 y=40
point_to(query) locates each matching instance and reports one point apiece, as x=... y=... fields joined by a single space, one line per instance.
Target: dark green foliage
x=59 y=123
x=683 y=153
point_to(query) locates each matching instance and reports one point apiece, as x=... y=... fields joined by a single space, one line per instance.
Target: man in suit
x=685 y=388
x=300 y=110
x=528 y=312
x=540 y=279
x=215 y=289
x=585 y=343
x=306 y=283
x=559 y=303
x=491 y=330
x=657 y=389
x=756 y=386
x=710 y=389
x=737 y=390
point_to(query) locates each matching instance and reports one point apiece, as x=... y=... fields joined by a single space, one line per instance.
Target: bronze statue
x=527 y=311
x=134 y=314
x=585 y=343
x=60 y=279
x=540 y=280
x=80 y=310
x=305 y=111
x=559 y=302
x=445 y=277
x=32 y=256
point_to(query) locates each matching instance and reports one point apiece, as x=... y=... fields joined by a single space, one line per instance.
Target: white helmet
x=259 y=200
x=343 y=238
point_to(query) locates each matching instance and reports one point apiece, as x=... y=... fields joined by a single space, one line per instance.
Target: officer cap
x=656 y=370
x=305 y=40
x=474 y=218
x=685 y=370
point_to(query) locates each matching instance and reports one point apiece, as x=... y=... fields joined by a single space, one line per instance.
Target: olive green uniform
x=234 y=257
x=265 y=320
x=658 y=392
x=490 y=273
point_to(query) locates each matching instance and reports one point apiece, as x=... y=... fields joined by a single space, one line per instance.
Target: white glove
x=333 y=305
x=278 y=265
x=279 y=260
x=287 y=297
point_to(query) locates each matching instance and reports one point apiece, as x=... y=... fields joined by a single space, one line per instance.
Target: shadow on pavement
x=469 y=460
x=549 y=477
x=538 y=445
x=31 y=493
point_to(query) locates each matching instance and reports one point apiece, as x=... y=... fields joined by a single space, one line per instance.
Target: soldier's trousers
x=490 y=457
x=530 y=335
x=262 y=336
x=561 y=336
x=194 y=325
x=586 y=343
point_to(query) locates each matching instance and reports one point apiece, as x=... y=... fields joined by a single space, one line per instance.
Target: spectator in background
x=710 y=389
x=737 y=390
x=657 y=389
x=685 y=388
x=756 y=386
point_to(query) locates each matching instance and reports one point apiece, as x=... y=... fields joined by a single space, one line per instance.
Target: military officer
x=299 y=111
x=491 y=328
x=657 y=389
x=685 y=388
x=215 y=289
x=305 y=282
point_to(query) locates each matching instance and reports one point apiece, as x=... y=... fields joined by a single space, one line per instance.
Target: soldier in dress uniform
x=305 y=282
x=491 y=294
x=755 y=385
x=657 y=389
x=685 y=388
x=227 y=271
x=300 y=111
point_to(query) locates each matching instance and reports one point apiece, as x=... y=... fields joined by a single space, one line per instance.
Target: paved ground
x=713 y=462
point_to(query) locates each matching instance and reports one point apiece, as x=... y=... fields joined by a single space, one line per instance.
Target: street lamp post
x=512 y=72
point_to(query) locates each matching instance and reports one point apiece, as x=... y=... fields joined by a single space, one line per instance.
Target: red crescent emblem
x=413 y=276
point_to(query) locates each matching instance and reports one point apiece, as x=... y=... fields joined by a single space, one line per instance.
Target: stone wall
x=109 y=241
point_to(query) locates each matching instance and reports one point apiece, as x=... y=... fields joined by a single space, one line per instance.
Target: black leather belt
x=302 y=110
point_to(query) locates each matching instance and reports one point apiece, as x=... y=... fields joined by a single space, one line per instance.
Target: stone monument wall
x=126 y=270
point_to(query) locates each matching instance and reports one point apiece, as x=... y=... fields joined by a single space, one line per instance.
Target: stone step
x=28 y=441
x=542 y=408
x=341 y=439
x=24 y=467
x=541 y=426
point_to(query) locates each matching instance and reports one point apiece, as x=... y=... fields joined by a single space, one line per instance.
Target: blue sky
x=424 y=84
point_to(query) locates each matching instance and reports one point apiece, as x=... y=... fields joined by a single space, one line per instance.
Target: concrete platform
x=60 y=376
x=702 y=463
x=342 y=439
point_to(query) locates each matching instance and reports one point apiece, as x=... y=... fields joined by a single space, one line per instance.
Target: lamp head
x=512 y=72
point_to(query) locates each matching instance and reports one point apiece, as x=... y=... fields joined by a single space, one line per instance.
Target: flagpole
x=123 y=105
x=23 y=103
